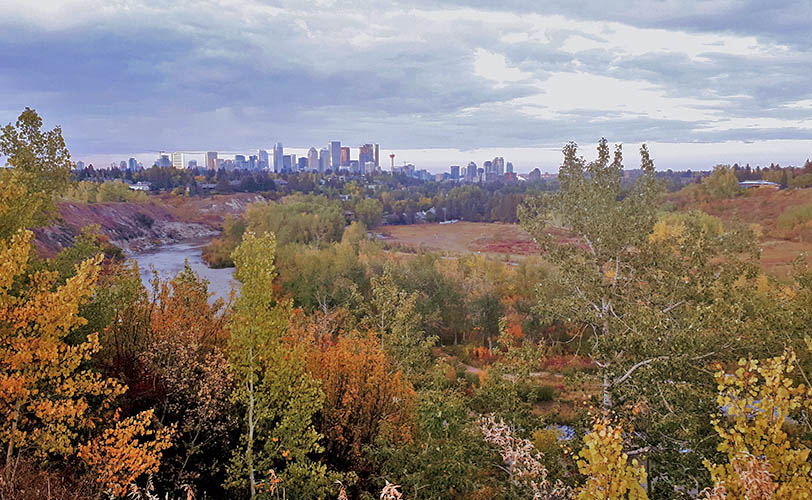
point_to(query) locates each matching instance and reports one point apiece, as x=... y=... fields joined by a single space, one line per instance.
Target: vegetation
x=628 y=360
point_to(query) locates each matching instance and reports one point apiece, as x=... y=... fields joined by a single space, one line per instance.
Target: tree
x=125 y=452
x=40 y=169
x=721 y=183
x=279 y=397
x=369 y=211
x=607 y=469
x=763 y=460
x=395 y=318
x=658 y=300
x=363 y=400
x=48 y=396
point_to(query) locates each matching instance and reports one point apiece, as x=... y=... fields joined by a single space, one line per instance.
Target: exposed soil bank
x=136 y=227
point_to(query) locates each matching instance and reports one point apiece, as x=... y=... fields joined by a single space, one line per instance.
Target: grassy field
x=464 y=237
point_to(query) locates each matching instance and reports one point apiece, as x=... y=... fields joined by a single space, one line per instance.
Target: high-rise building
x=263 y=158
x=192 y=164
x=211 y=160
x=287 y=164
x=470 y=173
x=366 y=153
x=313 y=159
x=253 y=160
x=277 y=157
x=455 y=172
x=177 y=160
x=132 y=164
x=509 y=167
x=324 y=160
x=164 y=161
x=345 y=156
x=301 y=163
x=335 y=154
x=376 y=158
x=498 y=166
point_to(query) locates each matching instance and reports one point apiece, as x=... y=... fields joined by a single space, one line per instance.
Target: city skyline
x=723 y=82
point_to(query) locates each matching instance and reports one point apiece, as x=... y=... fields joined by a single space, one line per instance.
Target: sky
x=436 y=82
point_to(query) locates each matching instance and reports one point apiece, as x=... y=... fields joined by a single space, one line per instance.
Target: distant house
x=752 y=184
x=140 y=186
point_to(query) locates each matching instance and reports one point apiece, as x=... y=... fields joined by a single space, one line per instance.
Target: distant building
x=263 y=159
x=534 y=175
x=287 y=163
x=455 y=172
x=313 y=159
x=277 y=157
x=335 y=154
x=192 y=164
x=301 y=163
x=239 y=161
x=759 y=183
x=164 y=161
x=324 y=160
x=177 y=160
x=376 y=157
x=471 y=172
x=509 y=168
x=366 y=153
x=211 y=160
x=132 y=164
x=345 y=156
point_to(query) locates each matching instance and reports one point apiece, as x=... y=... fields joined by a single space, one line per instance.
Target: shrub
x=793 y=217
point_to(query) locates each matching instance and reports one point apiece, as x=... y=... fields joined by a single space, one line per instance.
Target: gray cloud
x=141 y=75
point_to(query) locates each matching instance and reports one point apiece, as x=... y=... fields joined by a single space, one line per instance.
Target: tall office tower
x=192 y=164
x=499 y=166
x=312 y=159
x=302 y=163
x=122 y=165
x=376 y=158
x=292 y=162
x=132 y=164
x=509 y=167
x=177 y=160
x=263 y=158
x=277 y=157
x=164 y=161
x=287 y=165
x=324 y=160
x=335 y=154
x=211 y=160
x=345 y=156
x=455 y=172
x=488 y=166
x=366 y=153
x=252 y=162
x=239 y=161
x=470 y=174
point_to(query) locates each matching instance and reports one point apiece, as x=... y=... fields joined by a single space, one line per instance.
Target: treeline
x=334 y=372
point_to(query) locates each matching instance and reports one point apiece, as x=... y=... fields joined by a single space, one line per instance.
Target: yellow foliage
x=610 y=476
x=125 y=452
x=44 y=393
x=758 y=398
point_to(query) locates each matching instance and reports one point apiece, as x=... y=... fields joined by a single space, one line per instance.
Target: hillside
x=139 y=226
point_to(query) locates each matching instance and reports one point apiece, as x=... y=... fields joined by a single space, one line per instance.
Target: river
x=168 y=260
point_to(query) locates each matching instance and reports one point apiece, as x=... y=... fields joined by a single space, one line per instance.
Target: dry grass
x=464 y=237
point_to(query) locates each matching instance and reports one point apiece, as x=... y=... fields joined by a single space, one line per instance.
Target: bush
x=793 y=217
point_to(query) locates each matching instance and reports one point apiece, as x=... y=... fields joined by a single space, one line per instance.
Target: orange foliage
x=125 y=452
x=181 y=308
x=362 y=398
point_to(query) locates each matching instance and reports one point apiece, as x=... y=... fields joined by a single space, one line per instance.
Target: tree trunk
x=249 y=456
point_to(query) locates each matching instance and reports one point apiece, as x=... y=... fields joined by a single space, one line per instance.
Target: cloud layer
x=141 y=75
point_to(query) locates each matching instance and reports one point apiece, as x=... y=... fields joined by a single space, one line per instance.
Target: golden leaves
x=609 y=473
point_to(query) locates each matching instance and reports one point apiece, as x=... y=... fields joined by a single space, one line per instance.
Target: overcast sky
x=438 y=82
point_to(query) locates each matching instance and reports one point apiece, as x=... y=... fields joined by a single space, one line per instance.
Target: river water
x=168 y=260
